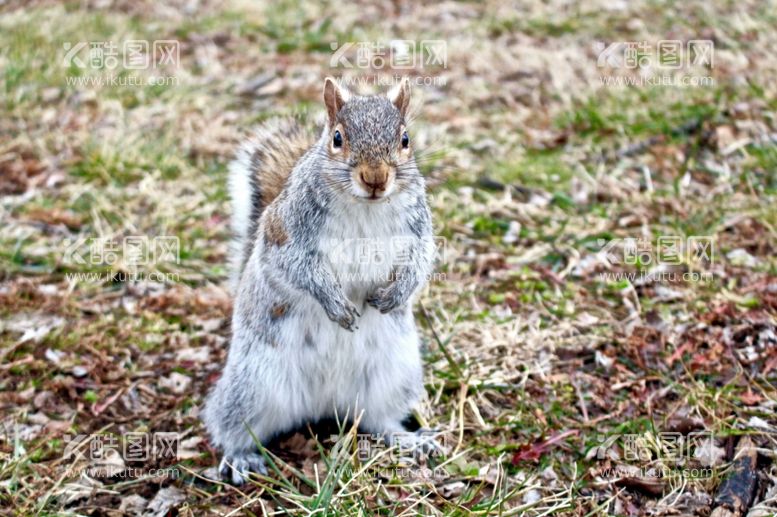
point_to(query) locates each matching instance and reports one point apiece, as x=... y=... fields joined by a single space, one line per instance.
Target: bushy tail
x=258 y=175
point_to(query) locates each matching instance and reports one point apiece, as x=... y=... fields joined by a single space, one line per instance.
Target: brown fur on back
x=270 y=154
x=274 y=230
x=276 y=146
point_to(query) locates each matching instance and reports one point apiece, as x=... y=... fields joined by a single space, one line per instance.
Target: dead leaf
x=166 y=500
x=535 y=451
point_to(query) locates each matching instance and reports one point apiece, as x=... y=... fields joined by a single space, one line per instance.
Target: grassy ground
x=546 y=366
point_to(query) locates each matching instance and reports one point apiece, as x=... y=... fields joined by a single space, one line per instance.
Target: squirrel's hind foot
x=422 y=442
x=429 y=443
x=236 y=467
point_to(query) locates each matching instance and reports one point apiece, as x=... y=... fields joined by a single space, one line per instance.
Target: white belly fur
x=324 y=369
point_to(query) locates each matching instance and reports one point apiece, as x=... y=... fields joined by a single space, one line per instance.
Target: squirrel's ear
x=399 y=95
x=335 y=97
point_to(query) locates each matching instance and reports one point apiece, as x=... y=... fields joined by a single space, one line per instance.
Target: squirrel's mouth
x=367 y=196
x=372 y=182
x=372 y=193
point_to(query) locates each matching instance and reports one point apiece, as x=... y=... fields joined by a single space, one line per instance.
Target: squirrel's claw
x=384 y=299
x=428 y=444
x=346 y=316
x=235 y=468
x=422 y=442
x=348 y=323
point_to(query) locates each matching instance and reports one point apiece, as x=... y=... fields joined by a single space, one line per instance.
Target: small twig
x=25 y=360
x=99 y=408
x=581 y=401
x=443 y=348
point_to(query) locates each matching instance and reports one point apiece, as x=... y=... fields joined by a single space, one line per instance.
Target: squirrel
x=318 y=334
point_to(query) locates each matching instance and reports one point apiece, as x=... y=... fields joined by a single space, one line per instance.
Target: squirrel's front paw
x=344 y=314
x=385 y=299
x=235 y=467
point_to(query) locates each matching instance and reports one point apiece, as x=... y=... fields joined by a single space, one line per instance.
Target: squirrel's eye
x=405 y=140
x=337 y=141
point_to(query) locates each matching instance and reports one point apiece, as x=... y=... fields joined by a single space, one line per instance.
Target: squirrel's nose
x=374 y=183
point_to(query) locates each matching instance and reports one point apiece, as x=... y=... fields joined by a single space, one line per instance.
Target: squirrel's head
x=367 y=142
